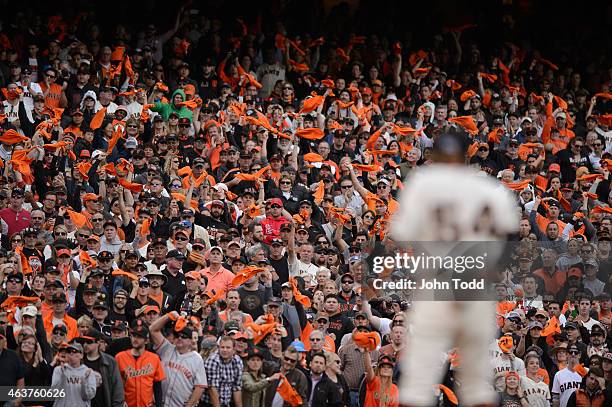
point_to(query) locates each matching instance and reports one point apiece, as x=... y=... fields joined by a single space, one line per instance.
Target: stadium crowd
x=186 y=215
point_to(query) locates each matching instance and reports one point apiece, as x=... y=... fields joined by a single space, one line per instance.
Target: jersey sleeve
x=200 y=374
x=159 y=374
x=555 y=386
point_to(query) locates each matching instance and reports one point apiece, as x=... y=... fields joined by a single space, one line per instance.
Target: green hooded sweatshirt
x=165 y=109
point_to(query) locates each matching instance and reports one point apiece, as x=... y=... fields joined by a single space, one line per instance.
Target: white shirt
x=537 y=394
x=564 y=384
x=432 y=209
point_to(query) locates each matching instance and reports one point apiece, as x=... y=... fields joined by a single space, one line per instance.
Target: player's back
x=448 y=202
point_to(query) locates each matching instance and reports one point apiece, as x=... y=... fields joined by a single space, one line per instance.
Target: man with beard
x=253 y=295
x=347 y=295
x=142 y=371
x=597 y=341
x=109 y=385
x=185 y=299
x=118 y=310
x=215 y=220
x=162 y=299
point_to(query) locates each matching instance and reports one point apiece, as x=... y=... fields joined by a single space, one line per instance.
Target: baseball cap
x=276 y=241
x=57 y=298
x=386 y=360
x=175 y=254
x=554 y=168
x=231 y=326
x=275 y=201
x=138 y=328
x=30 y=310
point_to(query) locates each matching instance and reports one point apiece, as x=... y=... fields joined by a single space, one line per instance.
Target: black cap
x=175 y=254
x=54 y=283
x=231 y=326
x=90 y=289
x=17 y=192
x=254 y=352
x=184 y=120
x=96 y=273
x=101 y=304
x=305 y=201
x=60 y=327
x=119 y=325
x=138 y=328
x=57 y=298
x=105 y=254
x=158 y=241
x=29 y=231
x=241 y=259
x=18 y=276
x=276 y=241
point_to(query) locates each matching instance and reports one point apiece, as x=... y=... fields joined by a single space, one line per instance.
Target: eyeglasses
x=345 y=186
x=285 y=183
x=181 y=239
x=59 y=333
x=97 y=219
x=143 y=285
x=574 y=352
x=347 y=282
x=17 y=240
x=50 y=76
x=84 y=236
x=290 y=360
x=14 y=280
x=37 y=218
x=197 y=247
x=132 y=126
x=578 y=145
x=274 y=206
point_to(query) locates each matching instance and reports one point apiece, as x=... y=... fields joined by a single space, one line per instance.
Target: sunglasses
x=274 y=206
x=322 y=321
x=181 y=239
x=59 y=333
x=574 y=352
x=183 y=336
x=97 y=219
x=290 y=360
x=17 y=240
x=84 y=236
x=14 y=280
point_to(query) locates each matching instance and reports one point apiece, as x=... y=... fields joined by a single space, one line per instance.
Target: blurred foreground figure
x=449 y=202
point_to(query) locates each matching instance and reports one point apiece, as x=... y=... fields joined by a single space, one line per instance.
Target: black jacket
x=325 y=393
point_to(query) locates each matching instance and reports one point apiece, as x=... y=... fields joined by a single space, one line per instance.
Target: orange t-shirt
x=54 y=96
x=372 y=398
x=70 y=323
x=554 y=283
x=138 y=376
